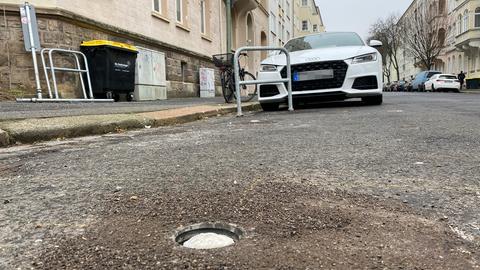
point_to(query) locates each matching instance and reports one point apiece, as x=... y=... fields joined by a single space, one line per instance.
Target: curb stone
x=4 y=138
x=36 y=130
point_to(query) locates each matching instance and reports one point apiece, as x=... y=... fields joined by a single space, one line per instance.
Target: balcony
x=246 y=5
x=470 y=38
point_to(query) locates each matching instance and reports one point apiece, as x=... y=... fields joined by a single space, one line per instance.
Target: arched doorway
x=263 y=42
x=250 y=32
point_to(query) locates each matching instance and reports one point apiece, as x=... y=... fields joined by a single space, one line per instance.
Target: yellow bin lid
x=94 y=43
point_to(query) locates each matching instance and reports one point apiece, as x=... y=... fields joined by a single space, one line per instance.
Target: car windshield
x=324 y=40
x=449 y=77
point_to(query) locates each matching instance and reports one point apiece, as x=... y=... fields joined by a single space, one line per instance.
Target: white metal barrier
x=257 y=82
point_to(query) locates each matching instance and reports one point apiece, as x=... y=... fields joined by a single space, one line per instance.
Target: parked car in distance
x=386 y=87
x=443 y=82
x=408 y=87
x=421 y=78
x=401 y=86
x=393 y=86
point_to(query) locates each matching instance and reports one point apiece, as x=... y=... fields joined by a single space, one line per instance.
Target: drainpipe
x=229 y=25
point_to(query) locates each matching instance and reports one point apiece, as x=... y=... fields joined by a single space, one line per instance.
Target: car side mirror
x=376 y=43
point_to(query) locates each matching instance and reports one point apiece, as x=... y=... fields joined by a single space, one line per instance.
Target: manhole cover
x=208 y=235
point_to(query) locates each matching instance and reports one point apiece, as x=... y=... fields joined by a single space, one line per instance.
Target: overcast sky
x=357 y=15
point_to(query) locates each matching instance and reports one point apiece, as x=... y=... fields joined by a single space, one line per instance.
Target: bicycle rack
x=78 y=70
x=256 y=82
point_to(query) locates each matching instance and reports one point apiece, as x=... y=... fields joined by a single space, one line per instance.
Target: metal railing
x=256 y=82
x=51 y=67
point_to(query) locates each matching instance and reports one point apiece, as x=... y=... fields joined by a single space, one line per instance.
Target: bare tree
x=389 y=32
x=425 y=36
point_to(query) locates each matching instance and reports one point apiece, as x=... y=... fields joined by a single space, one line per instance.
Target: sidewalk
x=471 y=91
x=34 y=122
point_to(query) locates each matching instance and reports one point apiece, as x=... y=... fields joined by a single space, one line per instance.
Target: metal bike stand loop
x=256 y=82
x=51 y=67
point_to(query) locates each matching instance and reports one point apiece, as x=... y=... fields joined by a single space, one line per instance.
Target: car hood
x=319 y=55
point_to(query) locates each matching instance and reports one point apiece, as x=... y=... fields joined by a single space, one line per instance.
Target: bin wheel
x=130 y=97
x=109 y=95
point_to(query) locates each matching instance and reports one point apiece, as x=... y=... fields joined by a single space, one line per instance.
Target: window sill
x=160 y=16
x=207 y=38
x=183 y=27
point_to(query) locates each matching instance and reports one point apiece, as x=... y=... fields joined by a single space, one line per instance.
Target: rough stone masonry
x=62 y=29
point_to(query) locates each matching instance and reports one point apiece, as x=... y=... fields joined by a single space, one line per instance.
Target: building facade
x=409 y=66
x=189 y=32
x=280 y=22
x=461 y=39
x=307 y=18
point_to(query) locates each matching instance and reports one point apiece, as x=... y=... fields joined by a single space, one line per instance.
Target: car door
x=429 y=82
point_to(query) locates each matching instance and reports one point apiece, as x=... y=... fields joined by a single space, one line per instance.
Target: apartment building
x=281 y=21
x=410 y=66
x=461 y=39
x=307 y=18
x=188 y=32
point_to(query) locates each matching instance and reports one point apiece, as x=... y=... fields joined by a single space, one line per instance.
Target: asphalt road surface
x=334 y=186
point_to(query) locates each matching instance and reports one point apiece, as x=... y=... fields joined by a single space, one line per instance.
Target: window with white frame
x=287 y=8
x=273 y=23
x=465 y=21
x=179 y=10
x=304 y=25
x=203 y=24
x=477 y=17
x=315 y=28
x=304 y=3
x=157 y=6
x=459 y=25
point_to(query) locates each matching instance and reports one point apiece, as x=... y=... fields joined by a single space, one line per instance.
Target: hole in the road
x=208 y=235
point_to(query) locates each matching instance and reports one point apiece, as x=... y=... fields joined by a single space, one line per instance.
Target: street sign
x=29 y=20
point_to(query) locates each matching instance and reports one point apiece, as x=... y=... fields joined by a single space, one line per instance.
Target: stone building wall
x=61 y=29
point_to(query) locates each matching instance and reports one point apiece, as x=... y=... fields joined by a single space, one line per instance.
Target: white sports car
x=326 y=66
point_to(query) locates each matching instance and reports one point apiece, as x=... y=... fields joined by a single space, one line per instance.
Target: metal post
x=45 y=68
x=236 y=72
x=229 y=25
x=289 y=76
x=238 y=82
x=34 y=53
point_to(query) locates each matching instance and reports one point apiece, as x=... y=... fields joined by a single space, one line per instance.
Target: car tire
x=433 y=88
x=270 y=107
x=373 y=100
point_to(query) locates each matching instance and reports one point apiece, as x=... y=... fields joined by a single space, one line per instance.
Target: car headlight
x=371 y=57
x=269 y=68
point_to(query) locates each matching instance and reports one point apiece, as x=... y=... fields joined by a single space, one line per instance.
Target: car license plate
x=322 y=74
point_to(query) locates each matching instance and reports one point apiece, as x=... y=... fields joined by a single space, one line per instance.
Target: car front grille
x=339 y=73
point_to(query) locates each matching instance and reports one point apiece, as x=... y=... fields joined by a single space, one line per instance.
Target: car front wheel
x=374 y=100
x=270 y=107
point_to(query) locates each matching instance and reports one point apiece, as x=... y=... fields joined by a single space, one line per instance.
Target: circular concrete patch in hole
x=208 y=235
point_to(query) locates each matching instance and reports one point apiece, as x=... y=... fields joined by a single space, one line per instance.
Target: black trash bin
x=112 y=68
